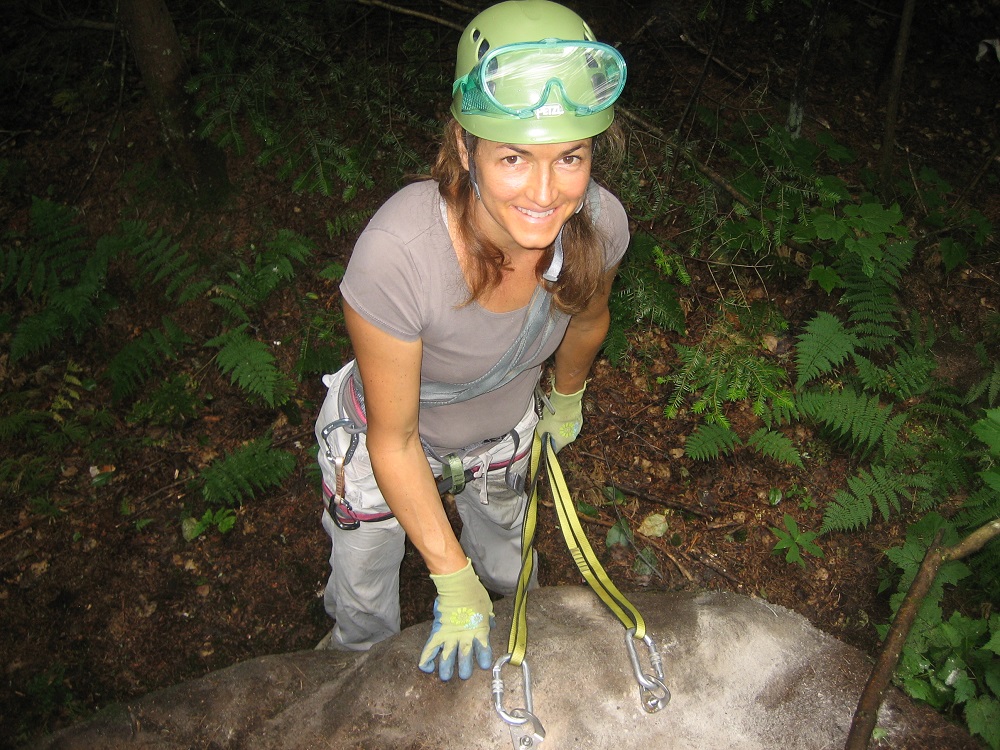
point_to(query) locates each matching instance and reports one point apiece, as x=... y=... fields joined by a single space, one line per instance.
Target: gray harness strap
x=538 y=327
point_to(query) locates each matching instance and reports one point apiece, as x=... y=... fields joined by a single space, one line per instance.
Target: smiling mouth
x=536 y=214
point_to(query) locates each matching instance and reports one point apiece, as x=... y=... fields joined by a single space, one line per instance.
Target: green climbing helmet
x=531 y=71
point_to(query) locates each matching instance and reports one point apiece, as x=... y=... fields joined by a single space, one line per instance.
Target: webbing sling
x=653 y=693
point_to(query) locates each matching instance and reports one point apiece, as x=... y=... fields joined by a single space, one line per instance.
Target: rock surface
x=744 y=675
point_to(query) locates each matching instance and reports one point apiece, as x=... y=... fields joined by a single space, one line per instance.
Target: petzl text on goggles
x=547 y=78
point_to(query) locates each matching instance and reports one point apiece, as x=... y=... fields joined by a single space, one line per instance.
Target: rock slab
x=744 y=675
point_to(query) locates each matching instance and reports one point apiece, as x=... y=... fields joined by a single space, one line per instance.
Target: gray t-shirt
x=404 y=278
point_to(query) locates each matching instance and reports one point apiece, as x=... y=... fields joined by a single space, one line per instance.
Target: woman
x=457 y=292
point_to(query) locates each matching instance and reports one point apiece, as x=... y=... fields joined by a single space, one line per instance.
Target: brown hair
x=583 y=246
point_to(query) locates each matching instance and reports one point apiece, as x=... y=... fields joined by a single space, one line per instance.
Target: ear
x=458 y=133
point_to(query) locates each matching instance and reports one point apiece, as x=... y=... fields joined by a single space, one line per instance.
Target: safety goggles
x=520 y=79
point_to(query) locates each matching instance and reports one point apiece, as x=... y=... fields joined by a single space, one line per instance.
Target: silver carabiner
x=653 y=693
x=526 y=730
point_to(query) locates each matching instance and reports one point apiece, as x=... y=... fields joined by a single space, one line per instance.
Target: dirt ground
x=104 y=599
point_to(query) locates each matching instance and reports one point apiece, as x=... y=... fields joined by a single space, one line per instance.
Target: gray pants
x=362 y=593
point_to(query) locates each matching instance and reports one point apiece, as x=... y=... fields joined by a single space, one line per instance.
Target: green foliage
x=255 y=467
x=858 y=419
x=795 y=542
x=710 y=441
x=727 y=366
x=327 y=126
x=252 y=367
x=139 y=359
x=620 y=534
x=251 y=285
x=645 y=292
x=56 y=284
x=823 y=346
x=959 y=229
x=158 y=258
x=775 y=445
x=322 y=343
x=953 y=662
x=172 y=403
x=853 y=508
x=222 y=519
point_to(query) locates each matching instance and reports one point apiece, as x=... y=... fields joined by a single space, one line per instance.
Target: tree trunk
x=164 y=71
x=810 y=50
x=892 y=107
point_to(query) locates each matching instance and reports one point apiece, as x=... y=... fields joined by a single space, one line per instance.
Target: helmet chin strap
x=470 y=155
x=555 y=267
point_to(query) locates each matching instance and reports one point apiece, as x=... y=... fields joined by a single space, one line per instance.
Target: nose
x=542 y=188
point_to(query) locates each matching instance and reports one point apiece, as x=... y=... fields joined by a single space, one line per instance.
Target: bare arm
x=390 y=373
x=583 y=339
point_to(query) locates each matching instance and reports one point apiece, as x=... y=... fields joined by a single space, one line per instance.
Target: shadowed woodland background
x=798 y=395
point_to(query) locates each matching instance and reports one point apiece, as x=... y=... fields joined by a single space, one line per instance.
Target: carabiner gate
x=653 y=693
x=526 y=730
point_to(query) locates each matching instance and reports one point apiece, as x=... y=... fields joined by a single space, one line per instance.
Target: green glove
x=565 y=420
x=463 y=617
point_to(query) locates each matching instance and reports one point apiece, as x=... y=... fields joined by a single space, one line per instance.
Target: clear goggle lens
x=539 y=78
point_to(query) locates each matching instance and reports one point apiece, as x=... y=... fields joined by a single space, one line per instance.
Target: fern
x=139 y=358
x=63 y=281
x=824 y=346
x=157 y=258
x=859 y=419
x=241 y=474
x=775 y=445
x=709 y=441
x=644 y=293
x=347 y=222
x=869 y=294
x=252 y=367
x=853 y=508
x=989 y=387
x=272 y=268
x=724 y=368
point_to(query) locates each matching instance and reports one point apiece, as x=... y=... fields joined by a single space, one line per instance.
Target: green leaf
x=619 y=534
x=613 y=494
x=983 y=717
x=826 y=277
x=645 y=562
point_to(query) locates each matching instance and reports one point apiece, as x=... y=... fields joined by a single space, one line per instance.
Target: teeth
x=536 y=214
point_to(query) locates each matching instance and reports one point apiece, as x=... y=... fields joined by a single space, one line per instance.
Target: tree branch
x=414 y=13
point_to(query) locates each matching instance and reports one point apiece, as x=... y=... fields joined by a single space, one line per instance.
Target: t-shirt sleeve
x=612 y=223
x=383 y=285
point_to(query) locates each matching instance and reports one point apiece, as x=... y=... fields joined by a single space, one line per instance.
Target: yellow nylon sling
x=525 y=727
x=579 y=548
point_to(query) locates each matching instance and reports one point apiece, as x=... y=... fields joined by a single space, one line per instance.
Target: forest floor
x=103 y=599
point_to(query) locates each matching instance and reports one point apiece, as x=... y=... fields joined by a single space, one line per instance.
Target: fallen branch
x=866 y=714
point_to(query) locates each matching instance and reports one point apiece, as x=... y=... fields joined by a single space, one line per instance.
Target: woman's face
x=528 y=191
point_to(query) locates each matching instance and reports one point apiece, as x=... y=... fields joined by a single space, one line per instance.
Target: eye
x=512 y=159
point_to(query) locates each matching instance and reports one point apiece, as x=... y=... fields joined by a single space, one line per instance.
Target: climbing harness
x=525 y=727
